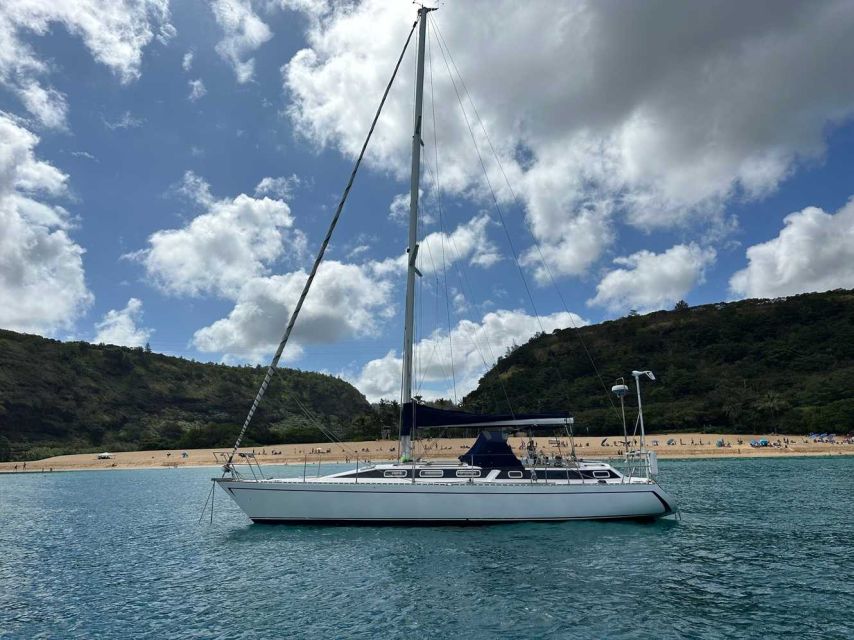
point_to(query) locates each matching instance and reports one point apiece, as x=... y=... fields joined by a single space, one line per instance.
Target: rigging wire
x=317 y=423
x=275 y=361
x=519 y=207
x=491 y=190
x=441 y=220
x=494 y=198
x=435 y=342
x=421 y=331
x=468 y=291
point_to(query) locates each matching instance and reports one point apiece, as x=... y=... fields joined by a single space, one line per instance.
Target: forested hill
x=60 y=397
x=748 y=366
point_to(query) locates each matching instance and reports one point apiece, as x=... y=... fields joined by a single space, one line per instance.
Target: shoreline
x=4 y=471
x=686 y=447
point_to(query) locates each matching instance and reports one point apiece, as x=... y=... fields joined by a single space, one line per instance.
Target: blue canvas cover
x=491 y=451
x=424 y=417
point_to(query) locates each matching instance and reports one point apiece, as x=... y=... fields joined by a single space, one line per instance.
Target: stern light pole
x=621 y=390
x=637 y=375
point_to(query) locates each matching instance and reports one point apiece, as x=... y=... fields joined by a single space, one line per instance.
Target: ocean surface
x=764 y=549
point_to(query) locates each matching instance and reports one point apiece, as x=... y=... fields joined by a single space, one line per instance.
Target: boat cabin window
x=430 y=473
x=514 y=474
x=601 y=474
x=394 y=473
x=468 y=473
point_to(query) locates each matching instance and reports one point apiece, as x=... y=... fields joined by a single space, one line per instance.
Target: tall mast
x=415 y=179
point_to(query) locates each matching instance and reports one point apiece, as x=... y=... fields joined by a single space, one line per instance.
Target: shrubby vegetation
x=748 y=366
x=60 y=398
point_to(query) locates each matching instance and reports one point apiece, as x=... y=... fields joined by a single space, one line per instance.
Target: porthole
x=601 y=474
x=430 y=473
x=395 y=473
x=468 y=473
x=515 y=475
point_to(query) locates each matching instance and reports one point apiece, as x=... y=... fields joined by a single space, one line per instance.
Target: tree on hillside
x=772 y=403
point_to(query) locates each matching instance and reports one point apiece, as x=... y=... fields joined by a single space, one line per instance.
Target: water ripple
x=765 y=549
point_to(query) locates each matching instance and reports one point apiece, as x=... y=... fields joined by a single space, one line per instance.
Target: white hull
x=323 y=501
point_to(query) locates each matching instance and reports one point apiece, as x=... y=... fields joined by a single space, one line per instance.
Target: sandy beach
x=687 y=445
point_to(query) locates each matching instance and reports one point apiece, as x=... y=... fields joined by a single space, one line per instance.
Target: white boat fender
x=653 y=463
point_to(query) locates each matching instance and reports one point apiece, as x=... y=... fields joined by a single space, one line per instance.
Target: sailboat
x=487 y=484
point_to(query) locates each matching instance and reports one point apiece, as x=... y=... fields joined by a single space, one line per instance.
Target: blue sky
x=167 y=171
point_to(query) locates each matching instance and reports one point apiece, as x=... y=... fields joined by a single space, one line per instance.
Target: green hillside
x=60 y=397
x=755 y=365
x=748 y=366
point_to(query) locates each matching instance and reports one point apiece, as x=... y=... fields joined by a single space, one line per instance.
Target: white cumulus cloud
x=346 y=301
x=282 y=187
x=658 y=115
x=398 y=210
x=115 y=33
x=121 y=326
x=468 y=241
x=243 y=32
x=233 y=241
x=47 y=105
x=473 y=348
x=380 y=379
x=651 y=281
x=42 y=285
x=814 y=251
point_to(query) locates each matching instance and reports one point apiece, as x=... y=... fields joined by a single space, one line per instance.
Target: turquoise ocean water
x=765 y=549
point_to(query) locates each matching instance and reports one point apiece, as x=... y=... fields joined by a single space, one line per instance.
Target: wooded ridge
x=752 y=366
x=63 y=397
